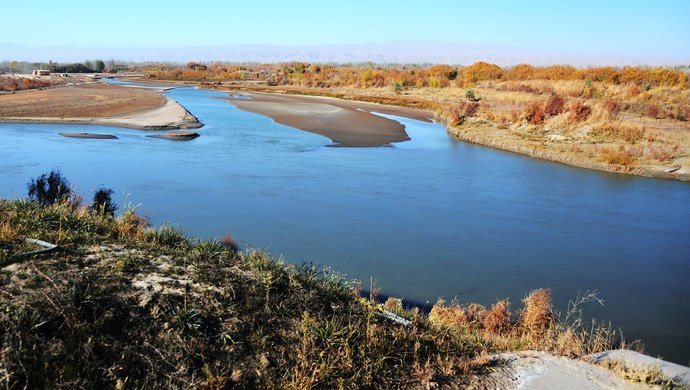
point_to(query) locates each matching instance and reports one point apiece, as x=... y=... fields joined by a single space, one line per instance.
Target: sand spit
x=88 y=135
x=169 y=116
x=176 y=135
x=346 y=123
x=98 y=104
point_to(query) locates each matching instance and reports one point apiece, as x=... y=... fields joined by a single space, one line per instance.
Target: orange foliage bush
x=482 y=71
x=534 y=113
x=457 y=114
x=521 y=72
x=497 y=319
x=612 y=107
x=447 y=316
x=537 y=315
x=653 y=111
x=579 y=112
x=619 y=156
x=324 y=75
x=554 y=105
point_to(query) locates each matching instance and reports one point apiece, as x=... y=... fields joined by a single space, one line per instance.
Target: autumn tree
x=481 y=71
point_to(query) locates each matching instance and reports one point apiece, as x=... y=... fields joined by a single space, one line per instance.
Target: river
x=425 y=218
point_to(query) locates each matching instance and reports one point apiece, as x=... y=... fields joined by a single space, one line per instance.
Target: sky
x=627 y=28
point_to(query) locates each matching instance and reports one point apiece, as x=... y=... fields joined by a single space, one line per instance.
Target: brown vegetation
x=12 y=84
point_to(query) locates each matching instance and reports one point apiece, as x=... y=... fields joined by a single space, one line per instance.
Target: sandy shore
x=169 y=116
x=604 y=370
x=346 y=123
x=98 y=104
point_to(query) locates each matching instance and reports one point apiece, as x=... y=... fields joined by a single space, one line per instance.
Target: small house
x=41 y=72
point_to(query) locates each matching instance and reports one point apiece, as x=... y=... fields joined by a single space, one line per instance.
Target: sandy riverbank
x=98 y=104
x=346 y=123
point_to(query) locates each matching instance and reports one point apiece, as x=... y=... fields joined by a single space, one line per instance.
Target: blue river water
x=431 y=217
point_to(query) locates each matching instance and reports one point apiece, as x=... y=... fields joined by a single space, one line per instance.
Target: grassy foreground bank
x=122 y=305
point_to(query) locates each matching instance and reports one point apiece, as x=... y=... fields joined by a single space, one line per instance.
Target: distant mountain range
x=390 y=52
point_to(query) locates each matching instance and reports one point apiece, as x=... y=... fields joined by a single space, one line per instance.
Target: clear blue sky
x=653 y=27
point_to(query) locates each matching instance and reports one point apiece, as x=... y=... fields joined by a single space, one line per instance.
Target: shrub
x=229 y=243
x=579 y=112
x=397 y=87
x=620 y=131
x=103 y=202
x=537 y=315
x=534 y=113
x=451 y=317
x=470 y=95
x=497 y=319
x=617 y=156
x=49 y=188
x=439 y=82
x=653 y=111
x=131 y=225
x=458 y=113
x=554 y=106
x=612 y=107
x=169 y=236
x=682 y=113
x=663 y=153
x=481 y=71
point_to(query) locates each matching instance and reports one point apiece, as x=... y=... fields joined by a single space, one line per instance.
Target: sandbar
x=346 y=123
x=88 y=135
x=97 y=104
x=176 y=135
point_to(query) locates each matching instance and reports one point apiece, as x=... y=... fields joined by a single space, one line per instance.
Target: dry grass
x=619 y=131
x=649 y=375
x=617 y=155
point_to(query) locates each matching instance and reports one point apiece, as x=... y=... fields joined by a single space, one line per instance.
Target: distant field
x=81 y=101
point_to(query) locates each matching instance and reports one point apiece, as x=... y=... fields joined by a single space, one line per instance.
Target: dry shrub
x=534 y=113
x=524 y=88
x=8 y=232
x=554 y=106
x=683 y=113
x=653 y=111
x=475 y=314
x=537 y=315
x=132 y=226
x=589 y=91
x=393 y=304
x=618 y=156
x=619 y=131
x=515 y=116
x=663 y=153
x=497 y=319
x=568 y=343
x=458 y=113
x=632 y=90
x=579 y=112
x=452 y=317
x=229 y=243
x=612 y=107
